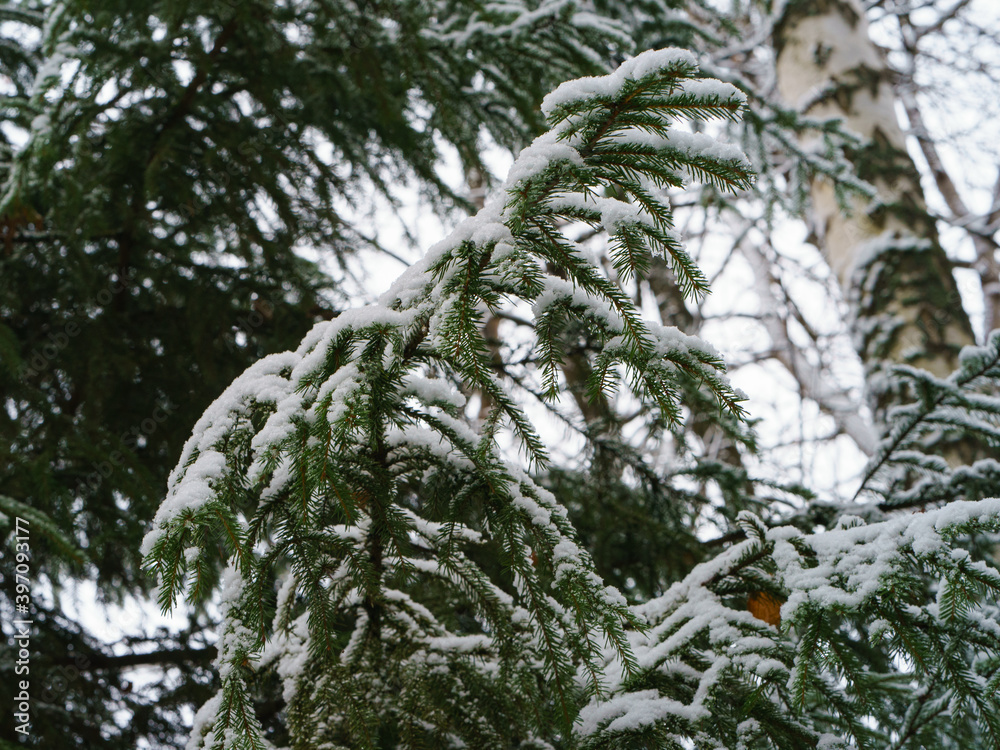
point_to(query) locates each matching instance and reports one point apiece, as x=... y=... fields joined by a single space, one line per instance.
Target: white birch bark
x=886 y=254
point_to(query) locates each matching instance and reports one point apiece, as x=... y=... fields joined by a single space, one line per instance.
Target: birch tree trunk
x=885 y=253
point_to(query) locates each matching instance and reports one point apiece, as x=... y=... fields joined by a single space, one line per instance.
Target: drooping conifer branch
x=433 y=593
x=349 y=462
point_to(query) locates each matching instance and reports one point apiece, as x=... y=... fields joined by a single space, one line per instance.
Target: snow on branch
x=347 y=468
x=711 y=672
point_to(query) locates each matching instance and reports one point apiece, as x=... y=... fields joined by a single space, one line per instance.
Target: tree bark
x=96 y=660
x=886 y=253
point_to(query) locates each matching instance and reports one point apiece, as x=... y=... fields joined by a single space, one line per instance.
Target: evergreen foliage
x=176 y=155
x=401 y=564
x=349 y=466
x=411 y=586
x=909 y=468
x=161 y=165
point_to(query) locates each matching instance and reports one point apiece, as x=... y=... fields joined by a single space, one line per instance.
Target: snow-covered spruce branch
x=887 y=638
x=882 y=626
x=432 y=593
x=905 y=471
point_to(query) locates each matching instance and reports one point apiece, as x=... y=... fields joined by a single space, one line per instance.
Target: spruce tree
x=411 y=583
